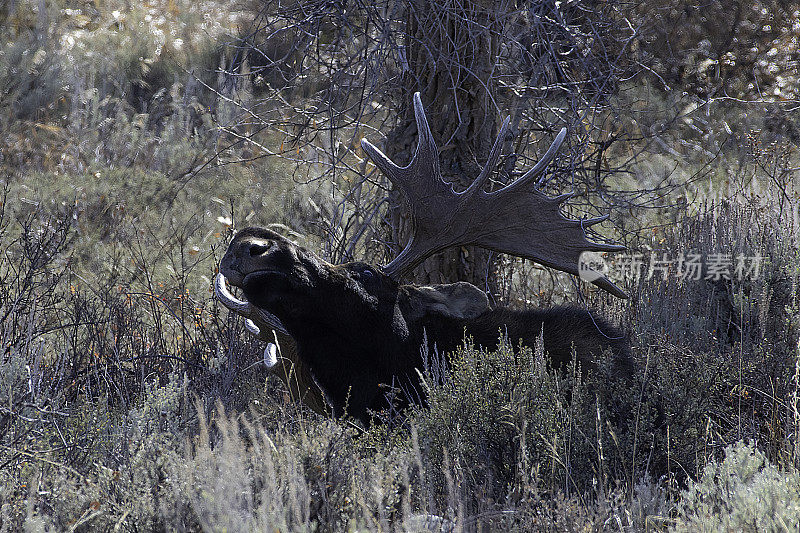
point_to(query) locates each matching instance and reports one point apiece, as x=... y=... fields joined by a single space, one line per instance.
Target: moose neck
x=362 y=373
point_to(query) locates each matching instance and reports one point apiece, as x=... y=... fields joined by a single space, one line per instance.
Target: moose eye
x=367 y=275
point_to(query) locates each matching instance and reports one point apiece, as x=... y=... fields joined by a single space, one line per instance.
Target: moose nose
x=260 y=248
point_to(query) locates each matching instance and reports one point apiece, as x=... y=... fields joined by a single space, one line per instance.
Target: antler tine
x=426 y=157
x=588 y=222
x=494 y=155
x=423 y=170
x=610 y=288
x=383 y=162
x=540 y=165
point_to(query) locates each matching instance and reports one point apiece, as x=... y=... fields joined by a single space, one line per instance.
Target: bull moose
x=354 y=329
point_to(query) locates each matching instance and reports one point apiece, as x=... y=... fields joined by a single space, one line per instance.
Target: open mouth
x=257 y=320
x=261 y=274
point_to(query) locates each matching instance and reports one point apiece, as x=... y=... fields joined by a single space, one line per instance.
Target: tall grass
x=117 y=411
x=130 y=401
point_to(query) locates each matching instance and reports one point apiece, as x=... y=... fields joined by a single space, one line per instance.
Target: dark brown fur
x=357 y=330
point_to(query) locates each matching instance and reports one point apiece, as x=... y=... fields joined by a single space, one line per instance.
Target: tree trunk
x=450 y=51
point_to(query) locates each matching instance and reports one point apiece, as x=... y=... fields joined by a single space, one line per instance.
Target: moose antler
x=517 y=219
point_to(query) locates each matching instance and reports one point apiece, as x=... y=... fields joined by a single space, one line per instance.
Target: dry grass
x=129 y=401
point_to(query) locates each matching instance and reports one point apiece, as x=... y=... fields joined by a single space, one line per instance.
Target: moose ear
x=456 y=300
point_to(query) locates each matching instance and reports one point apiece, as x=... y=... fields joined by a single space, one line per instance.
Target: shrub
x=743 y=492
x=720 y=353
x=30 y=80
x=503 y=424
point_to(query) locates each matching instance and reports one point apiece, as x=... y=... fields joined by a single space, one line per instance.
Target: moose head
x=355 y=329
